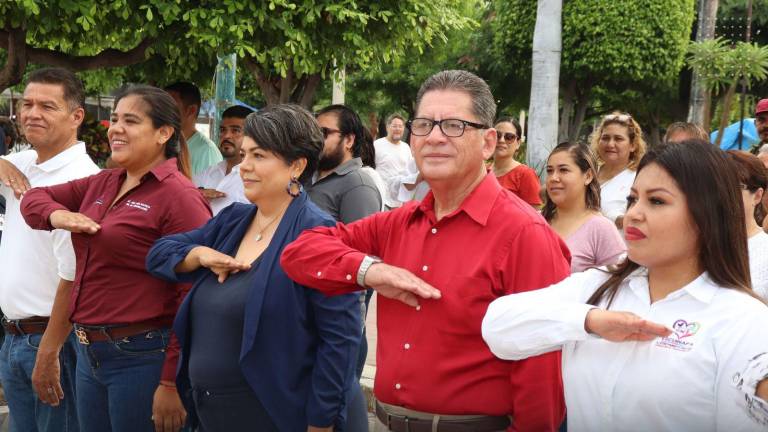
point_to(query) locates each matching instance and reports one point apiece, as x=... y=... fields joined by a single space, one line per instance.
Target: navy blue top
x=299 y=347
x=217 y=313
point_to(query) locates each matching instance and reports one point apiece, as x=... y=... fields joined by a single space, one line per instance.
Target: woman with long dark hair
x=126 y=360
x=753 y=181
x=674 y=323
x=572 y=208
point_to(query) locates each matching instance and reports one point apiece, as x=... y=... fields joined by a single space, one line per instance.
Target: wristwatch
x=368 y=261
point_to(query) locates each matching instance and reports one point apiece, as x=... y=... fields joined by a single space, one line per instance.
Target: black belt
x=398 y=423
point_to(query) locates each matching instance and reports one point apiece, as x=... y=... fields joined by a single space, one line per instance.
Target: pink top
x=595 y=243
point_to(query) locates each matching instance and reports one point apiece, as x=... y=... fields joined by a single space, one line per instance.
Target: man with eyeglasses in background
x=437 y=264
x=392 y=156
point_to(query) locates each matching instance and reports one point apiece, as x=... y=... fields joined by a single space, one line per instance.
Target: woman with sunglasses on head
x=655 y=343
x=511 y=174
x=260 y=352
x=572 y=208
x=126 y=357
x=619 y=145
x=753 y=182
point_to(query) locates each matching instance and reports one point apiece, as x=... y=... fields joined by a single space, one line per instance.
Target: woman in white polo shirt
x=656 y=343
x=619 y=146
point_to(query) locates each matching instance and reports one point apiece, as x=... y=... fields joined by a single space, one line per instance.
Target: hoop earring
x=294 y=185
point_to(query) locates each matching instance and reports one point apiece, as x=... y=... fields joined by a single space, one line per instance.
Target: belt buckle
x=82 y=336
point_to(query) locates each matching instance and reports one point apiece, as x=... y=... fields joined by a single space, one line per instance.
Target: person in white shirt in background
x=619 y=146
x=392 y=156
x=220 y=183
x=37 y=365
x=409 y=185
x=656 y=343
x=753 y=180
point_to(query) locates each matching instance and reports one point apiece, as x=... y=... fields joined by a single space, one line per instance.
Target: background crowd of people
x=195 y=286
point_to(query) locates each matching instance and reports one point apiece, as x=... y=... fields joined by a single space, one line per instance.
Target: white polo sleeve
x=64 y=254
x=740 y=351
x=519 y=326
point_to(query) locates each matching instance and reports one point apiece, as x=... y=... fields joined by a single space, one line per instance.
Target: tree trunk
x=545 y=83
x=16 y=58
x=581 y=111
x=291 y=89
x=566 y=113
x=700 y=96
x=726 y=113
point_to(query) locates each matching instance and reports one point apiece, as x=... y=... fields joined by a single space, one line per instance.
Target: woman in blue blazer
x=260 y=352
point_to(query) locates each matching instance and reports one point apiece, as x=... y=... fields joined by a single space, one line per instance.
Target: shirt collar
x=165 y=169
x=341 y=170
x=349 y=166
x=63 y=158
x=477 y=205
x=702 y=288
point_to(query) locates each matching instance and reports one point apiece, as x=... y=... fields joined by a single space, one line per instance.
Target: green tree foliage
x=724 y=65
x=391 y=87
x=290 y=46
x=84 y=35
x=616 y=45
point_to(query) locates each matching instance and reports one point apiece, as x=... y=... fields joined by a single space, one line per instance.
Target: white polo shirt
x=31 y=261
x=613 y=194
x=683 y=382
x=758 y=263
x=216 y=177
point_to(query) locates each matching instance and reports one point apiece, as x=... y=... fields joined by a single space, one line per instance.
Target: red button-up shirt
x=112 y=285
x=433 y=358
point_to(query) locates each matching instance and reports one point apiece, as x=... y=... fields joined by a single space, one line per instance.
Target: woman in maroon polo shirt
x=126 y=357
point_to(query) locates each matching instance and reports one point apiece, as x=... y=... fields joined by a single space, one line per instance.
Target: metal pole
x=225 y=89
x=747 y=38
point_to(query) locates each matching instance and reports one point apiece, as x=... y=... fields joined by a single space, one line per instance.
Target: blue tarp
x=731 y=136
x=207 y=109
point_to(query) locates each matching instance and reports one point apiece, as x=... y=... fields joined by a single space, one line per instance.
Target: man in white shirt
x=202 y=151
x=220 y=184
x=37 y=365
x=392 y=157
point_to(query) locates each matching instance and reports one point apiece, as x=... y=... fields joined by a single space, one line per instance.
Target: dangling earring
x=294 y=188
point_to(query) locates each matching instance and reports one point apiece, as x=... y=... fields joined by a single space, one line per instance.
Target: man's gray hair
x=763 y=149
x=483 y=104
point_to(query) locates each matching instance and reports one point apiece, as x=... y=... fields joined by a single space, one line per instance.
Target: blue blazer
x=299 y=347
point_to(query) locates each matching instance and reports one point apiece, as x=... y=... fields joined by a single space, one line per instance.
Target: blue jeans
x=27 y=412
x=116 y=382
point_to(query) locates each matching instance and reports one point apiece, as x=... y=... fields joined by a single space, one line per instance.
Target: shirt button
x=319 y=274
x=397 y=386
x=434 y=230
x=424 y=268
x=349 y=277
x=407 y=346
x=418 y=308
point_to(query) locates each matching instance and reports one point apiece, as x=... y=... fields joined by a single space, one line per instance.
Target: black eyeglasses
x=508 y=136
x=327 y=131
x=449 y=127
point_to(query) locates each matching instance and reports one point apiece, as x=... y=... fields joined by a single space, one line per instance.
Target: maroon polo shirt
x=112 y=285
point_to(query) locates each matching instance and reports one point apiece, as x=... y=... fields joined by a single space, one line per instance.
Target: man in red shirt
x=468 y=242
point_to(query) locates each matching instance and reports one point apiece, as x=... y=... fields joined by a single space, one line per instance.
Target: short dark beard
x=329 y=161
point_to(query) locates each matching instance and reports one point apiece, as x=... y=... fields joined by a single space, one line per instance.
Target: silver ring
x=50 y=389
x=13 y=181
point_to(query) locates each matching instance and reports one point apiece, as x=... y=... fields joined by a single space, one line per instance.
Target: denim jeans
x=116 y=382
x=27 y=412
